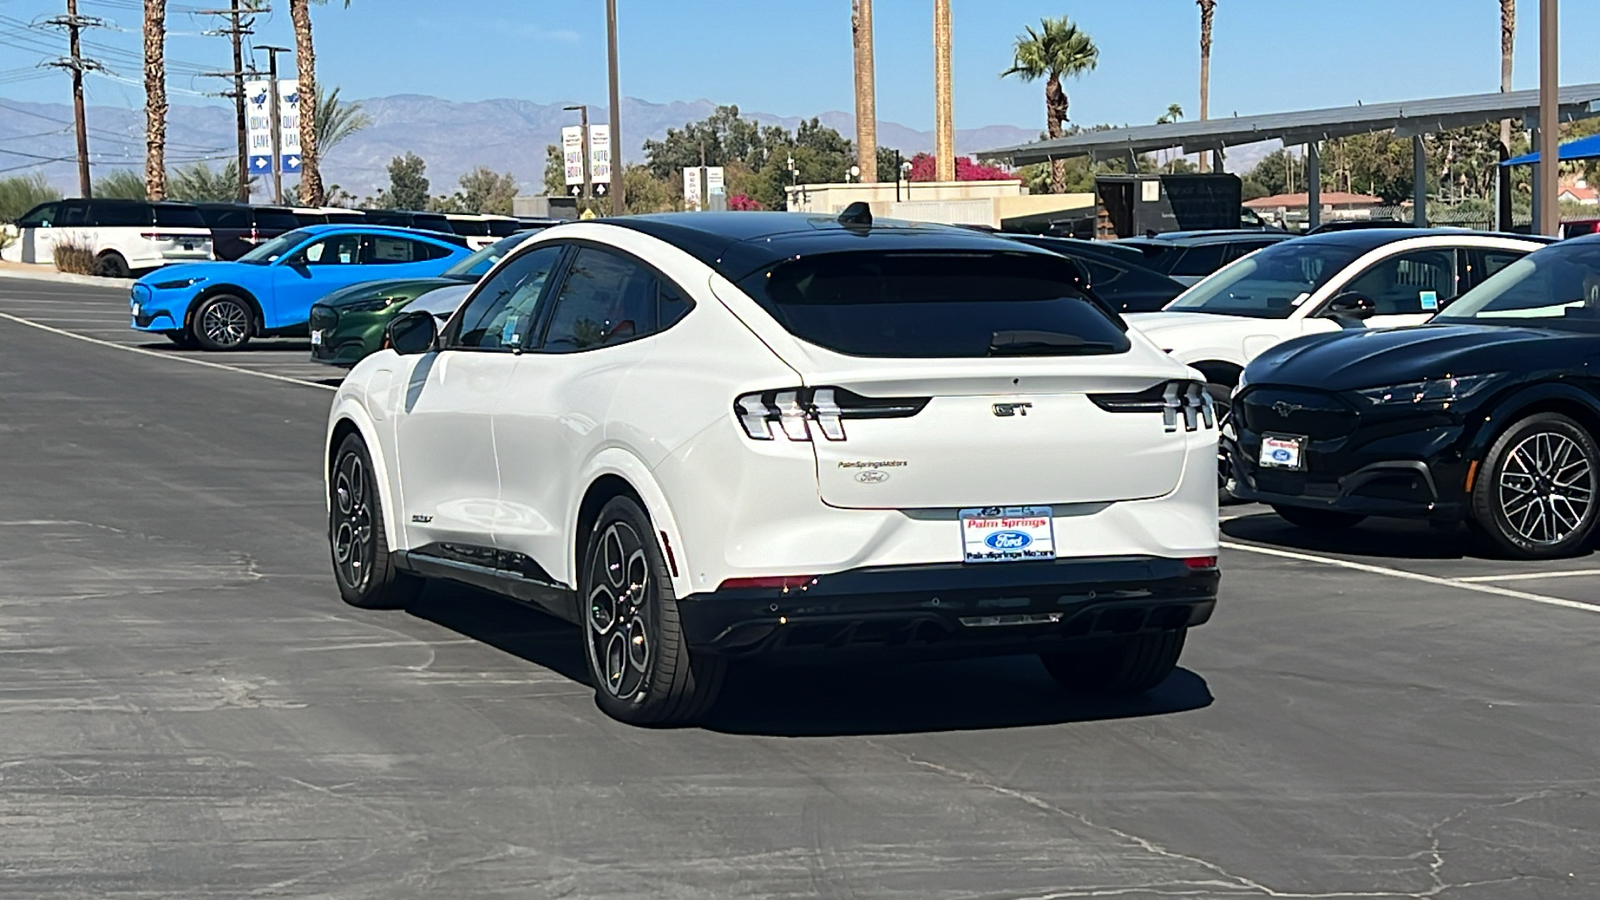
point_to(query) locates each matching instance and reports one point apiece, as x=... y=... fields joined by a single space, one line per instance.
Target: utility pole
x=77 y=65
x=618 y=207
x=277 y=125
x=1549 y=168
x=241 y=18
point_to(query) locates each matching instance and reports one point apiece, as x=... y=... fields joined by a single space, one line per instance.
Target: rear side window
x=609 y=299
x=503 y=227
x=1200 y=261
x=119 y=215
x=383 y=249
x=179 y=216
x=936 y=305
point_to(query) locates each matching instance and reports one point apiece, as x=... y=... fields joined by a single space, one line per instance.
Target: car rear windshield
x=470 y=227
x=179 y=216
x=909 y=304
x=276 y=220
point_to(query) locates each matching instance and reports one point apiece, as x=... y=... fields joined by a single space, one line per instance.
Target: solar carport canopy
x=1408 y=118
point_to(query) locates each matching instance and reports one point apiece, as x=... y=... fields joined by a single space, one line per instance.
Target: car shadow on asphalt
x=821 y=700
x=1385 y=538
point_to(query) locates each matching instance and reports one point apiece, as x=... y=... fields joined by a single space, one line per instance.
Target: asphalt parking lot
x=189 y=711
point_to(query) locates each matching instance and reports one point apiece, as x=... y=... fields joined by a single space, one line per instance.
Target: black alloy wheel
x=1534 y=496
x=1222 y=404
x=356 y=536
x=643 y=672
x=111 y=264
x=222 y=323
x=1317 y=519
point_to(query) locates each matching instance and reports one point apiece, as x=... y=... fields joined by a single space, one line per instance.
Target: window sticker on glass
x=1300 y=299
x=390 y=250
x=1430 y=300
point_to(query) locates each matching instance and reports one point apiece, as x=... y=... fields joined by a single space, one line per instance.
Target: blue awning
x=1582 y=148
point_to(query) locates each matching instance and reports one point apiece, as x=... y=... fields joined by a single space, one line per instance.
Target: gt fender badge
x=872 y=476
x=422 y=520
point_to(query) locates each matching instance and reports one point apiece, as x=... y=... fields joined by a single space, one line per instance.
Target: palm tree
x=1174 y=113
x=866 y=99
x=1058 y=48
x=1208 y=10
x=336 y=119
x=1508 y=35
x=155 y=99
x=305 y=57
x=944 y=128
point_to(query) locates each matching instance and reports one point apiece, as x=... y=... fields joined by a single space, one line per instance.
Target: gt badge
x=422 y=520
x=1007 y=410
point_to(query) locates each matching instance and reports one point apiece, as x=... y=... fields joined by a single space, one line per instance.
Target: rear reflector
x=784 y=582
x=1201 y=562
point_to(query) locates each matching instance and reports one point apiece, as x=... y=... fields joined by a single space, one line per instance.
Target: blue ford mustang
x=269 y=291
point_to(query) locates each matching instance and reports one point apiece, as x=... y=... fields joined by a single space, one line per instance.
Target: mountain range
x=451 y=136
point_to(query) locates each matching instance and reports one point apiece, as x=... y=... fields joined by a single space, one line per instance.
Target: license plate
x=188 y=245
x=1007 y=534
x=316 y=339
x=136 y=309
x=1280 y=451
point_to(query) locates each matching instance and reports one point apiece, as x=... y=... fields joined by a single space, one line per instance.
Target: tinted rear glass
x=225 y=216
x=909 y=304
x=469 y=227
x=385 y=217
x=276 y=220
x=503 y=227
x=432 y=223
x=308 y=218
x=1200 y=261
x=179 y=217
x=113 y=214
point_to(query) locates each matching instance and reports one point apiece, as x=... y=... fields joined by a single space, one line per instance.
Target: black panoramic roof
x=736 y=244
x=1364 y=239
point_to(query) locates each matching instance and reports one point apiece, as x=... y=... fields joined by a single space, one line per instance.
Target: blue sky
x=793 y=57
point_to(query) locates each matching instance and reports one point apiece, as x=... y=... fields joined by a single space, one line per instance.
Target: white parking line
x=168 y=356
x=1412 y=576
x=1529 y=576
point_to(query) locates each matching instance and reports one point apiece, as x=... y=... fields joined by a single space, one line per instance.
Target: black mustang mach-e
x=1488 y=414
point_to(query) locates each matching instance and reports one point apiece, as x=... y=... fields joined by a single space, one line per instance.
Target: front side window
x=1557 y=285
x=1269 y=284
x=42 y=216
x=605 y=299
x=499 y=314
x=910 y=304
x=336 y=250
x=1409 y=283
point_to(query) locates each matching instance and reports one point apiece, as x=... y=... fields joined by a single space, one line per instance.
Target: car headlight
x=1431 y=391
x=378 y=305
x=1238 y=386
x=177 y=285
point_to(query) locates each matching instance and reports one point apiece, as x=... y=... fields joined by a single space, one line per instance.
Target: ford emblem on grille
x=1008 y=540
x=1285 y=409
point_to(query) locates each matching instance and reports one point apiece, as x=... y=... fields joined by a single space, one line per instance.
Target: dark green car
x=348 y=324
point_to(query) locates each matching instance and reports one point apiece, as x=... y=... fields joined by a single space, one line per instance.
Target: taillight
x=801 y=412
x=1172 y=399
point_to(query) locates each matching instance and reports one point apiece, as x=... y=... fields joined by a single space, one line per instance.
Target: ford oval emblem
x=872 y=476
x=1008 y=540
x=1280 y=455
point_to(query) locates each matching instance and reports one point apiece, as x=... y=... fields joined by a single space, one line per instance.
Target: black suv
x=236 y=228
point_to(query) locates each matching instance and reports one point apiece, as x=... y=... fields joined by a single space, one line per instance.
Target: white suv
x=704 y=436
x=125 y=235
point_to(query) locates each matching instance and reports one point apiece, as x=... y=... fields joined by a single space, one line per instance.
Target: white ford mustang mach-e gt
x=714 y=435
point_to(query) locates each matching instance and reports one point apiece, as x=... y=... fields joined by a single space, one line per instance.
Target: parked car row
x=129 y=236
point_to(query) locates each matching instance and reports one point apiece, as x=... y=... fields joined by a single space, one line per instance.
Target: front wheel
x=643 y=672
x=222 y=322
x=1118 y=666
x=356 y=536
x=1317 y=519
x=1534 y=498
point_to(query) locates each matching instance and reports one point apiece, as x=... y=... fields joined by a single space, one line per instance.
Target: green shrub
x=123 y=184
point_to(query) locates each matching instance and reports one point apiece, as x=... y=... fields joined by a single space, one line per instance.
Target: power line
x=77 y=64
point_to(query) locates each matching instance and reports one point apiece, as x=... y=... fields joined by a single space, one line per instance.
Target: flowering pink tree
x=743 y=203
x=922 y=169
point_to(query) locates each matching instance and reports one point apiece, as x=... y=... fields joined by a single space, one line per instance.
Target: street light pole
x=1549 y=167
x=618 y=207
x=277 y=125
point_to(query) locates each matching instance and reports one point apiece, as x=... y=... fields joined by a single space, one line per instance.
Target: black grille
x=323 y=318
x=1318 y=416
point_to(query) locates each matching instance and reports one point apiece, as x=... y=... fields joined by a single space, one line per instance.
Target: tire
x=357 y=541
x=1535 y=494
x=1317 y=519
x=221 y=322
x=181 y=338
x=1222 y=402
x=643 y=672
x=111 y=264
x=1119 y=666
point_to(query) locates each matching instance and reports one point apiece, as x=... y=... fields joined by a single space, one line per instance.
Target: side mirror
x=412 y=333
x=1351 y=306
